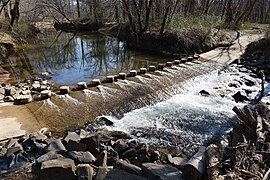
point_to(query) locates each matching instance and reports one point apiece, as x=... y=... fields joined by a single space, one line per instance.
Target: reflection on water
x=76 y=57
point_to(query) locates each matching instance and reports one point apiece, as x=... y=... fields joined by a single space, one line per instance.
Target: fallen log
x=195 y=167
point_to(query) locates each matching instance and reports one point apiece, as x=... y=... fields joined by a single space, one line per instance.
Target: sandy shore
x=16 y=120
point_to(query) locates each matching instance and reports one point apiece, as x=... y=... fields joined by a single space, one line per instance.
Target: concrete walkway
x=226 y=55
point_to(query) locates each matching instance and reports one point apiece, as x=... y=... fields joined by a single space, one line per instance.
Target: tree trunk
x=15 y=13
x=148 y=10
x=78 y=8
x=165 y=19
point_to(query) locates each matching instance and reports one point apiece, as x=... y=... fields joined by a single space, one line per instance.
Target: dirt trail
x=226 y=55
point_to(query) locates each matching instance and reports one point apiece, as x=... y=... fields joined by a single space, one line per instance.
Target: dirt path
x=16 y=120
x=226 y=55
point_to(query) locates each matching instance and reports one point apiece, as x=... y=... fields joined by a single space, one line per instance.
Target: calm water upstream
x=76 y=57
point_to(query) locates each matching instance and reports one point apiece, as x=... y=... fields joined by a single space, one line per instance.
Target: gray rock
x=154 y=155
x=120 y=146
x=82 y=157
x=179 y=162
x=56 y=145
x=57 y=169
x=36 y=86
x=49 y=156
x=72 y=136
x=25 y=99
x=102 y=172
x=143 y=158
x=161 y=172
x=75 y=146
x=112 y=156
x=93 y=143
x=8 y=99
x=38 y=136
x=11 y=142
x=14 y=149
x=103 y=158
x=118 y=174
x=104 y=121
x=142 y=148
x=84 y=172
x=124 y=165
x=129 y=153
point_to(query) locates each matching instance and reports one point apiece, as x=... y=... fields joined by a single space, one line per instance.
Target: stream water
x=164 y=107
x=72 y=58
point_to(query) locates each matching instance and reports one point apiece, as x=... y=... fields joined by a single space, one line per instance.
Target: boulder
x=124 y=165
x=112 y=156
x=8 y=99
x=72 y=136
x=179 y=162
x=84 y=172
x=92 y=142
x=38 y=136
x=82 y=157
x=49 y=156
x=104 y=121
x=120 y=146
x=119 y=174
x=56 y=145
x=102 y=172
x=14 y=149
x=25 y=99
x=154 y=171
x=204 y=93
x=75 y=146
x=240 y=97
x=129 y=153
x=57 y=169
x=154 y=155
x=103 y=158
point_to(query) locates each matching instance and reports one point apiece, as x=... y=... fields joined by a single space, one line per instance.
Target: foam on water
x=69 y=99
x=194 y=117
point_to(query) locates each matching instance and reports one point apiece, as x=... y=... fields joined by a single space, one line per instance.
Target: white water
x=193 y=117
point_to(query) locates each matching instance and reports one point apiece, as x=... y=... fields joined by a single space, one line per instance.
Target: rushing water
x=194 y=118
x=76 y=57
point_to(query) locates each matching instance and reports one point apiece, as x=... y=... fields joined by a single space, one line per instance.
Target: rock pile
x=21 y=93
x=91 y=155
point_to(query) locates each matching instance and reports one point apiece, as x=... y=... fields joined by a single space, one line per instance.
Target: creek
x=164 y=107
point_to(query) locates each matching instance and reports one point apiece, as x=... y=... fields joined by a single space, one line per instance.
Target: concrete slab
x=16 y=121
x=226 y=55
